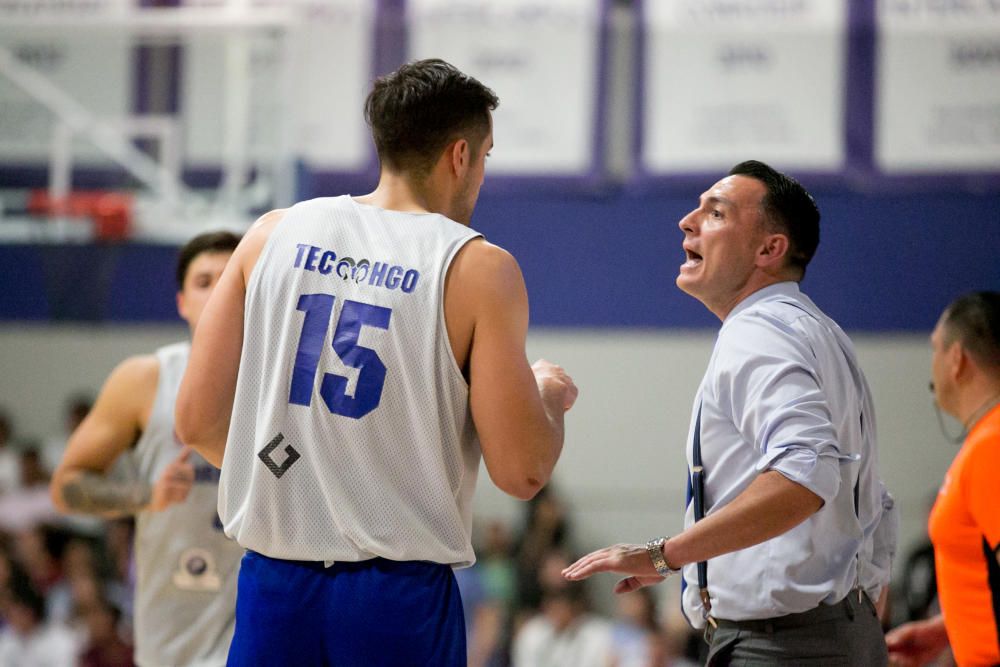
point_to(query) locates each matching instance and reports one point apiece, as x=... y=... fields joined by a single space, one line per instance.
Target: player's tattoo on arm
x=94 y=493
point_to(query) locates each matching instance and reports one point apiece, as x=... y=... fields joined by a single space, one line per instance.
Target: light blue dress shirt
x=783 y=391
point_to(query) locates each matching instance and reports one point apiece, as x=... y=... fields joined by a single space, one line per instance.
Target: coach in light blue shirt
x=789 y=534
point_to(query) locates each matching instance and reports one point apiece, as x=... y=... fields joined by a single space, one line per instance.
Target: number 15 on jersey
x=333 y=388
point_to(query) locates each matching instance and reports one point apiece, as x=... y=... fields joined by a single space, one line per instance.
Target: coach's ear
x=772 y=252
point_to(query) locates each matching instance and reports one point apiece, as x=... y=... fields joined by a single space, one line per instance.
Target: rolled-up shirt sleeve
x=777 y=404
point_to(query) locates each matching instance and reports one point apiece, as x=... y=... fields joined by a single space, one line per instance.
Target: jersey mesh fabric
x=396 y=482
x=965 y=529
x=186 y=568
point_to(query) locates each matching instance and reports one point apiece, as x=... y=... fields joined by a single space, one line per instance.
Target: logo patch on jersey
x=291 y=456
x=347 y=268
x=196 y=571
x=362 y=271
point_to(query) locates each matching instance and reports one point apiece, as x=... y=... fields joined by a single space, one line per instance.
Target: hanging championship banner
x=92 y=66
x=938 y=86
x=542 y=59
x=306 y=77
x=337 y=50
x=728 y=80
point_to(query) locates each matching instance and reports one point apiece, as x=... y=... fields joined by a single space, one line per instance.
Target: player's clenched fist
x=554 y=382
x=174 y=483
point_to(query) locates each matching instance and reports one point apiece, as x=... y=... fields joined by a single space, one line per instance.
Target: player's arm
x=517 y=408
x=79 y=483
x=205 y=400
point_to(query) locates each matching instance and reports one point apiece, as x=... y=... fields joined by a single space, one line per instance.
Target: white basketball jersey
x=186 y=568
x=351 y=435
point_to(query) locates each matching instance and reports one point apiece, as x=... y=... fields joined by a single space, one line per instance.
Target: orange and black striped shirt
x=965 y=529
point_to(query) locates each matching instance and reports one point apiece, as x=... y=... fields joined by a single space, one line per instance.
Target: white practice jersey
x=186 y=568
x=351 y=435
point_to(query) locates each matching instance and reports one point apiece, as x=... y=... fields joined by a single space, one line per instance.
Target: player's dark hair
x=974 y=320
x=788 y=209
x=416 y=111
x=220 y=241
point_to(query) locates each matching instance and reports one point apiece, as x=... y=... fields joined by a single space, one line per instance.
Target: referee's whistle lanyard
x=698 y=498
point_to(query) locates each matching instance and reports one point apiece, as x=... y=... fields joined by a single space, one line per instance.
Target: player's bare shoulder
x=253 y=242
x=267 y=221
x=486 y=270
x=483 y=279
x=131 y=387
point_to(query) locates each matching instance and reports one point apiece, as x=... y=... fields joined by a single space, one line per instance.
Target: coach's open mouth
x=692 y=258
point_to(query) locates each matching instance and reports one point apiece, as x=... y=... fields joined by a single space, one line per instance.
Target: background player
x=185 y=566
x=379 y=336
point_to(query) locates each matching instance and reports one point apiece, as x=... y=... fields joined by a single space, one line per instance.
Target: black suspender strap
x=698 y=497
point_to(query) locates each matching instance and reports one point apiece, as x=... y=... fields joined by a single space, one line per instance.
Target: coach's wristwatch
x=655 y=550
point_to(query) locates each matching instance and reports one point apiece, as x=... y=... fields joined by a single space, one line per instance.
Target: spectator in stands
x=27 y=640
x=118 y=543
x=36 y=550
x=105 y=646
x=10 y=467
x=10 y=569
x=635 y=627
x=496 y=557
x=482 y=616
x=77 y=408
x=28 y=504
x=546 y=528
x=564 y=633
x=78 y=566
x=667 y=649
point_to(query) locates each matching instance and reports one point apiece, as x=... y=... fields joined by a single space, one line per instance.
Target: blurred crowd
x=521 y=611
x=65 y=582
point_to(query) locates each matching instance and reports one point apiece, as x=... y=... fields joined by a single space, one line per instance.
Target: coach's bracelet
x=655 y=550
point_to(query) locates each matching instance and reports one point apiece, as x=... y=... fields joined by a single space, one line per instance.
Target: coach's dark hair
x=788 y=208
x=974 y=320
x=220 y=241
x=423 y=106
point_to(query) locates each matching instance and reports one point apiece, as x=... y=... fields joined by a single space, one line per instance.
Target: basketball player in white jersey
x=186 y=568
x=361 y=354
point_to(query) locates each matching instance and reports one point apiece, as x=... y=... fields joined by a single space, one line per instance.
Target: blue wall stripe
x=884 y=263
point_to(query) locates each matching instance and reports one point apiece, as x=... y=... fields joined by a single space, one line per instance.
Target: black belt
x=846 y=608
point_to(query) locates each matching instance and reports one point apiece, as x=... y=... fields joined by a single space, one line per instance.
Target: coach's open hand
x=631 y=559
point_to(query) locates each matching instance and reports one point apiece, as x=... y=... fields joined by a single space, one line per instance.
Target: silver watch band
x=655 y=550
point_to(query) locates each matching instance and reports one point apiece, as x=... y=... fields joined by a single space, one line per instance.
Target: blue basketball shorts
x=365 y=614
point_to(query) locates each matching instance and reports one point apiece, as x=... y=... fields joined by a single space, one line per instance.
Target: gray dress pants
x=846 y=634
